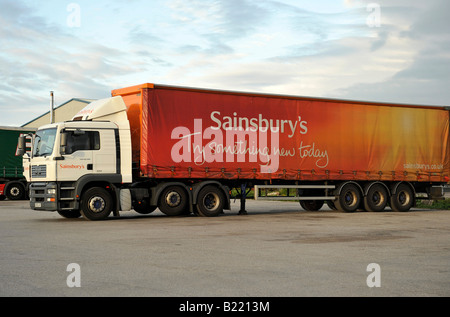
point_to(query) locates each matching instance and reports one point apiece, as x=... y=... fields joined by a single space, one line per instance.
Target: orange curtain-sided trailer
x=196 y=133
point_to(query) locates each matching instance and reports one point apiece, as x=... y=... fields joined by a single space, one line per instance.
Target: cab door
x=105 y=159
x=78 y=154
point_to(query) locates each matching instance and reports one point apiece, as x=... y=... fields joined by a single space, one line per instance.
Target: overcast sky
x=391 y=50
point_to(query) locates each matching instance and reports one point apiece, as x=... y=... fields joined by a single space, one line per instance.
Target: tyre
x=349 y=198
x=143 y=207
x=331 y=205
x=403 y=199
x=96 y=204
x=210 y=201
x=173 y=201
x=376 y=198
x=311 y=205
x=70 y=213
x=15 y=191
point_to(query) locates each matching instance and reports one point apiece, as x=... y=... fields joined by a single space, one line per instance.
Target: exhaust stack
x=52 y=112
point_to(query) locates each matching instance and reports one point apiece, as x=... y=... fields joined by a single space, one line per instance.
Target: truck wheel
x=70 y=213
x=349 y=199
x=210 y=201
x=376 y=198
x=143 y=207
x=403 y=200
x=173 y=201
x=96 y=204
x=311 y=205
x=15 y=191
x=330 y=204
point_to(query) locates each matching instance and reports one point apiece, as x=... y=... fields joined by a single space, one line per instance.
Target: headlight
x=51 y=191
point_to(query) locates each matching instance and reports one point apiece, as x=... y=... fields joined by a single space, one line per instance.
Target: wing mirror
x=63 y=146
x=21 y=146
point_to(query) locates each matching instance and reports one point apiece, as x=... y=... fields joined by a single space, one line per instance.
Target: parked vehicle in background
x=13 y=184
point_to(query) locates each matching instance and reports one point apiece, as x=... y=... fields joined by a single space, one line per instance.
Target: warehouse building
x=63 y=112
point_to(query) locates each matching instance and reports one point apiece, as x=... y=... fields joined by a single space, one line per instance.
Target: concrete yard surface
x=276 y=250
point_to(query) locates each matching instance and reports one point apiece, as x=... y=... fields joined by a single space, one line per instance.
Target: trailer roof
x=136 y=89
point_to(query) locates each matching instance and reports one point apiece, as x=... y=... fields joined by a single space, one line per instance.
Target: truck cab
x=87 y=156
x=84 y=167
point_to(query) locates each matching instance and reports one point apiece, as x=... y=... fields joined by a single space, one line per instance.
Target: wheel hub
x=97 y=204
x=211 y=201
x=403 y=198
x=349 y=198
x=14 y=191
x=376 y=198
x=173 y=199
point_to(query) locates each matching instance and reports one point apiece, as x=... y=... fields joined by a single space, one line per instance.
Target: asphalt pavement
x=276 y=250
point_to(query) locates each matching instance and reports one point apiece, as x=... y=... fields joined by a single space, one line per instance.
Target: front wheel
x=71 y=214
x=210 y=202
x=96 y=204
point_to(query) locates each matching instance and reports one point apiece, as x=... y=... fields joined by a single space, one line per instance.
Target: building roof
x=63 y=112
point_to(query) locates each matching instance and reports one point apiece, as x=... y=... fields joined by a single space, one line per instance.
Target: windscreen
x=44 y=142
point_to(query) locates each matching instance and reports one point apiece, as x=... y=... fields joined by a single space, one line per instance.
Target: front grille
x=39 y=171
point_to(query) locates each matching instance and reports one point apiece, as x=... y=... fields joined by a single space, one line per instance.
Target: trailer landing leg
x=242 y=211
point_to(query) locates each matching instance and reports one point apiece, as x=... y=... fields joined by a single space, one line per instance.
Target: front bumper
x=43 y=196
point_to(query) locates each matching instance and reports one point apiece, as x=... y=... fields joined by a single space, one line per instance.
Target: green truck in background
x=13 y=184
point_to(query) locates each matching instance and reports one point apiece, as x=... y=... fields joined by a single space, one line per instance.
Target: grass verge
x=434 y=204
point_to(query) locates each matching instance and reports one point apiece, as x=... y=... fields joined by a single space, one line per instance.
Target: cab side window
x=88 y=141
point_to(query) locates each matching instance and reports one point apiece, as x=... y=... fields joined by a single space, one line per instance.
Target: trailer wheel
x=331 y=205
x=210 y=201
x=403 y=199
x=15 y=191
x=173 y=201
x=376 y=198
x=311 y=205
x=349 y=198
x=96 y=204
x=70 y=213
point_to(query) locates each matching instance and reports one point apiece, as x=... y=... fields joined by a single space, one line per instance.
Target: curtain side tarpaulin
x=10 y=160
x=197 y=134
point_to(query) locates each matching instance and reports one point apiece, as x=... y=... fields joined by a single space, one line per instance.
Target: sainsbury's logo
x=71 y=166
x=242 y=139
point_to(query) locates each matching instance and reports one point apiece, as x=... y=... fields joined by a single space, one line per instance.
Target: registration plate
x=38 y=205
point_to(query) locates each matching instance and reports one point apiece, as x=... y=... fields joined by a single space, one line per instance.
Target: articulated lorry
x=182 y=149
x=13 y=184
